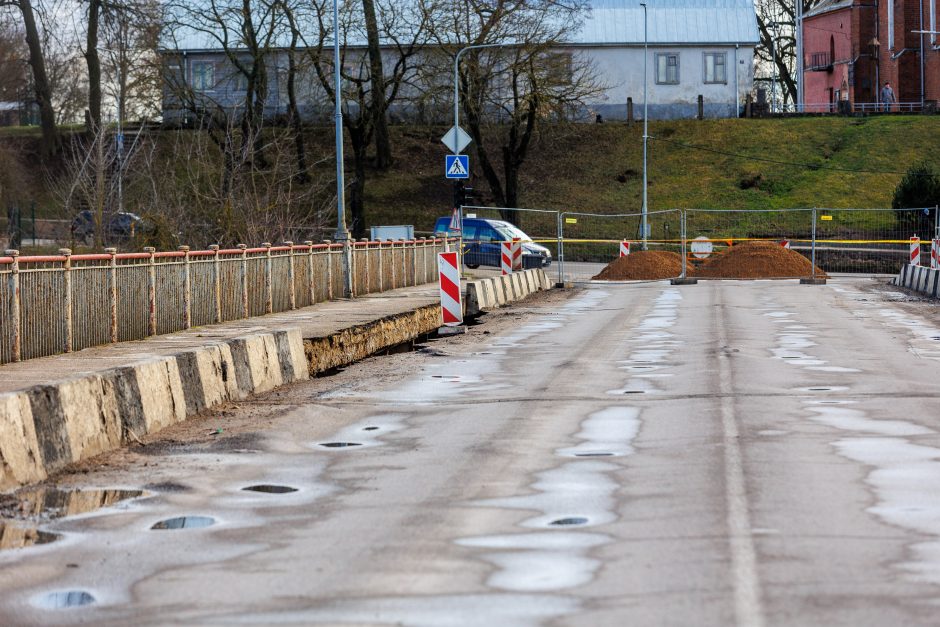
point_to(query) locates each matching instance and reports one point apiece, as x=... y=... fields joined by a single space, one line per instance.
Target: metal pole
x=151 y=291
x=922 y=55
x=112 y=294
x=342 y=233
x=813 y=260
x=187 y=289
x=799 y=56
x=561 y=249
x=67 y=289
x=646 y=117
x=561 y=279
x=15 y=305
x=682 y=231
x=457 y=79
x=773 y=65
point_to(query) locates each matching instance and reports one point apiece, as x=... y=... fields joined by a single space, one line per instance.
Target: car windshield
x=509 y=231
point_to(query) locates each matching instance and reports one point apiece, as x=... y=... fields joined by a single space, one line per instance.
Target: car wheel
x=473 y=266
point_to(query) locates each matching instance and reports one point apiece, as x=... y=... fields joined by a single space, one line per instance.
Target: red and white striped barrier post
x=516 y=254
x=935 y=254
x=624 y=248
x=505 y=257
x=785 y=243
x=451 y=308
x=915 y=251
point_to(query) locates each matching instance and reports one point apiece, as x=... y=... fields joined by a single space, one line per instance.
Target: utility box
x=394 y=233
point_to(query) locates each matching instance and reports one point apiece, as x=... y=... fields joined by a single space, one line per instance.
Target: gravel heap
x=757 y=260
x=643 y=264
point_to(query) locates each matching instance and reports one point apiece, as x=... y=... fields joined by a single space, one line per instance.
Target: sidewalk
x=61 y=409
x=65 y=408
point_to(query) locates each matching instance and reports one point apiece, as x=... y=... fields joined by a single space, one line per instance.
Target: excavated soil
x=644 y=264
x=757 y=260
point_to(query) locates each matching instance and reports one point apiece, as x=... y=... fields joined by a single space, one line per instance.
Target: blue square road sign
x=457 y=166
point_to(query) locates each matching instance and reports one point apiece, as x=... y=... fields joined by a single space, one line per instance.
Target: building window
x=203 y=76
x=715 y=67
x=667 y=68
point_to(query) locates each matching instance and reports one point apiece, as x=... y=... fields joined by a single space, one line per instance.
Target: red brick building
x=851 y=47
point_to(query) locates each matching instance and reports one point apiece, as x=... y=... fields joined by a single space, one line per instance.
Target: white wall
x=622 y=70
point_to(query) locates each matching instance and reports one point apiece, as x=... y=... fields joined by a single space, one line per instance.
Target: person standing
x=887 y=96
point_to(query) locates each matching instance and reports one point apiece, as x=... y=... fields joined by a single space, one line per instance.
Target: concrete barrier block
x=20 y=456
x=207 y=377
x=161 y=393
x=489 y=293
x=546 y=282
x=290 y=354
x=499 y=287
x=91 y=416
x=256 y=364
x=474 y=301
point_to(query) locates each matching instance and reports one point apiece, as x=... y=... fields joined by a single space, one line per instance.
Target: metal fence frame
x=52 y=304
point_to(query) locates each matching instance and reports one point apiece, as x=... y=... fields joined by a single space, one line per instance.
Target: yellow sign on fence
x=571 y=220
x=825 y=217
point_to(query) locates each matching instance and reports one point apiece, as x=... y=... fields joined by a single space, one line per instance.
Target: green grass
x=577 y=169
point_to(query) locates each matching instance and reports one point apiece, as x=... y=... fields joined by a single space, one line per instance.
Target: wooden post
x=701 y=107
x=630 y=119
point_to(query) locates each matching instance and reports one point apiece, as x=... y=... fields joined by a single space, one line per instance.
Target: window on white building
x=667 y=68
x=203 y=76
x=715 y=67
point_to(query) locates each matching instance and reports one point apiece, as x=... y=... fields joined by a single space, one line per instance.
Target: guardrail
x=61 y=303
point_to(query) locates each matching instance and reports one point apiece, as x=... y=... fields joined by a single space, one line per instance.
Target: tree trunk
x=51 y=142
x=293 y=112
x=357 y=212
x=93 y=62
x=379 y=106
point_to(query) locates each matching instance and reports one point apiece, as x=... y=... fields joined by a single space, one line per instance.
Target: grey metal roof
x=614 y=22
x=828 y=5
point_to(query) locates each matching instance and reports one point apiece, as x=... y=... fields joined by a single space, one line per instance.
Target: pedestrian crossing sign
x=457 y=166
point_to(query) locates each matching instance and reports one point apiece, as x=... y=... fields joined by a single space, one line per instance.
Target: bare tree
x=527 y=77
x=51 y=141
x=775 y=55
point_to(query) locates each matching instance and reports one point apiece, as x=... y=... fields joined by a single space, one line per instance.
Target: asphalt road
x=726 y=453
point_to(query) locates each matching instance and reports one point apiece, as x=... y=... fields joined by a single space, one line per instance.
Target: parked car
x=482 y=238
x=119 y=227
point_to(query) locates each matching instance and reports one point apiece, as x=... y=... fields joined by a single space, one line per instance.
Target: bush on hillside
x=920 y=187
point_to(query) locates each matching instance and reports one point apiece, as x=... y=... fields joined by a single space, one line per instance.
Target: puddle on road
x=185 y=522
x=270 y=489
x=64 y=599
x=47 y=503
x=16 y=537
x=340 y=444
x=571 y=521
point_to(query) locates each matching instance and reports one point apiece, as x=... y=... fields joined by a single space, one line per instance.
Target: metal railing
x=61 y=303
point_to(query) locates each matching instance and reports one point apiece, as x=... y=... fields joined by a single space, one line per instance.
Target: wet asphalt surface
x=727 y=453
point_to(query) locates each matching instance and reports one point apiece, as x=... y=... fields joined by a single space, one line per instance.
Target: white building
x=696 y=48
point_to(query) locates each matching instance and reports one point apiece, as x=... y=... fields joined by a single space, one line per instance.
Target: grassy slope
x=577 y=169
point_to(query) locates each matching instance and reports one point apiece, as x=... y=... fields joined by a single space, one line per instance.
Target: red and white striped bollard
x=451 y=307
x=915 y=251
x=505 y=257
x=624 y=248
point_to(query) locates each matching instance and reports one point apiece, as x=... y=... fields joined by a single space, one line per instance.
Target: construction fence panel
x=871 y=241
x=712 y=233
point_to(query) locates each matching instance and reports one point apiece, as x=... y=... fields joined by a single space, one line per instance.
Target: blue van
x=481 y=241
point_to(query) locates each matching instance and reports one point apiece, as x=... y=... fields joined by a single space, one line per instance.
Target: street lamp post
x=645 y=210
x=342 y=233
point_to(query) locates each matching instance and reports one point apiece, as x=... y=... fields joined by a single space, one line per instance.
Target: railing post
x=112 y=292
x=381 y=268
x=245 y=311
x=329 y=269
x=404 y=263
x=151 y=291
x=290 y=275
x=368 y=264
x=391 y=261
x=310 y=284
x=349 y=288
x=14 y=303
x=187 y=290
x=67 y=297
x=217 y=281
x=268 y=286
x=414 y=263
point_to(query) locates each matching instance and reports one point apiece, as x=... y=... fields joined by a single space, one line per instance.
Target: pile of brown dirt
x=644 y=264
x=757 y=260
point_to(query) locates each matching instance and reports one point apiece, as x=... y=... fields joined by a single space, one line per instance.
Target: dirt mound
x=643 y=264
x=757 y=260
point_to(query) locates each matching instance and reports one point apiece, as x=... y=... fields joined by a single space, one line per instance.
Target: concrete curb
x=485 y=294
x=47 y=427
x=919 y=279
